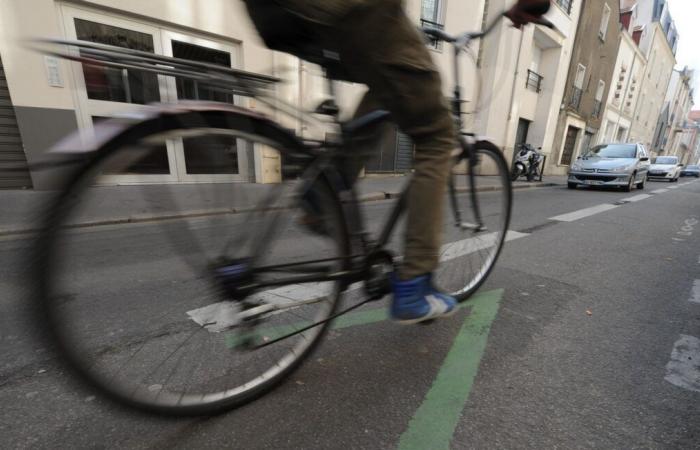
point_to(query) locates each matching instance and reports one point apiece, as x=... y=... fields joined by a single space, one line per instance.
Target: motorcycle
x=527 y=163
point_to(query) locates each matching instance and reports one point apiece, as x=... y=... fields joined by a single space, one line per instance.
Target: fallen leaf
x=589 y=312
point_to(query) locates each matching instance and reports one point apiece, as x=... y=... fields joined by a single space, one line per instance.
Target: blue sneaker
x=417 y=300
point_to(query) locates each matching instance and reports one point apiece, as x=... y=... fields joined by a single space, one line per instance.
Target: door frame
x=162 y=44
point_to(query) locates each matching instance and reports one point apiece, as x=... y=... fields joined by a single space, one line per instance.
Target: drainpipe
x=512 y=91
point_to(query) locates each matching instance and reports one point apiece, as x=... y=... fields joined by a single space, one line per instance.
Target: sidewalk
x=21 y=210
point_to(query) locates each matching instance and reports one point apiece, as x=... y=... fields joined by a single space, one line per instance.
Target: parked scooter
x=527 y=163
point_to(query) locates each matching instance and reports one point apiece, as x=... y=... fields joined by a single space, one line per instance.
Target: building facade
x=523 y=76
x=43 y=99
x=672 y=123
x=657 y=38
x=588 y=82
x=630 y=67
x=52 y=98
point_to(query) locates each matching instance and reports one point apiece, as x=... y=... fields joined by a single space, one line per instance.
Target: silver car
x=621 y=165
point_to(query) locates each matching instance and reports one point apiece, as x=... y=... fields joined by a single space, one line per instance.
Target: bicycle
x=243 y=310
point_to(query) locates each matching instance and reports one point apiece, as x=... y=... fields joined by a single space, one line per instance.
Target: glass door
x=105 y=92
x=217 y=158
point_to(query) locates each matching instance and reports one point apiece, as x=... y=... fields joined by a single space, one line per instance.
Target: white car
x=666 y=167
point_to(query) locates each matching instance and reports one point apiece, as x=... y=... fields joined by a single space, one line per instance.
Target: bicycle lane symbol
x=435 y=421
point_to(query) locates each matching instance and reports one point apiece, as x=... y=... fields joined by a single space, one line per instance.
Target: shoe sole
x=425 y=319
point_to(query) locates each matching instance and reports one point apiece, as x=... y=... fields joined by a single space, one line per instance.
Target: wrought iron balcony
x=424 y=23
x=534 y=81
x=576 y=95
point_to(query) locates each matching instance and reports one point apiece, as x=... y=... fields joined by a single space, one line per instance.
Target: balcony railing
x=596 y=108
x=534 y=81
x=424 y=23
x=576 y=97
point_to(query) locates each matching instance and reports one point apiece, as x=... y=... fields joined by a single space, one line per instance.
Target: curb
x=143 y=218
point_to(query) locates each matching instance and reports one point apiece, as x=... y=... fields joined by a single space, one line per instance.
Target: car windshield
x=693 y=168
x=666 y=160
x=612 y=151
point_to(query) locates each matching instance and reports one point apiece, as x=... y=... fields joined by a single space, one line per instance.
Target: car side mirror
x=644 y=158
x=681 y=165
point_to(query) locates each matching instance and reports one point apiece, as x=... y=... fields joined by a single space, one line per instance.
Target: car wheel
x=571 y=185
x=641 y=185
x=630 y=185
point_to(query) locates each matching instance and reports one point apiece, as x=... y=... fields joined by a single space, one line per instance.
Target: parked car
x=691 y=171
x=666 y=167
x=614 y=164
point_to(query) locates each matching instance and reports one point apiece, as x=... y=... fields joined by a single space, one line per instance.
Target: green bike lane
x=520 y=367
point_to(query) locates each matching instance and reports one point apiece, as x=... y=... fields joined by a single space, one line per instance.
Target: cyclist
x=378 y=45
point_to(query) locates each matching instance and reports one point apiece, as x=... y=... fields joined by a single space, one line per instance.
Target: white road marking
x=216 y=317
x=454 y=250
x=659 y=191
x=695 y=293
x=636 y=198
x=683 y=370
x=673 y=187
x=222 y=316
x=581 y=213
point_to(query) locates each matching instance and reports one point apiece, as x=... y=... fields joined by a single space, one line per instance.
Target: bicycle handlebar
x=440 y=35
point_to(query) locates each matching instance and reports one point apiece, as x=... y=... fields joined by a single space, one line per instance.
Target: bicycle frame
x=352 y=213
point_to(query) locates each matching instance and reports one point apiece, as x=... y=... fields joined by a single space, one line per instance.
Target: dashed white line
x=659 y=191
x=580 y=214
x=683 y=370
x=695 y=293
x=674 y=187
x=454 y=250
x=636 y=198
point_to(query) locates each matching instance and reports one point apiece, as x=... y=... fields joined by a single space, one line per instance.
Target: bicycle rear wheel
x=469 y=254
x=133 y=301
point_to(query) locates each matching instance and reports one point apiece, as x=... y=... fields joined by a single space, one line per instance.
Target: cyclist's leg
x=384 y=50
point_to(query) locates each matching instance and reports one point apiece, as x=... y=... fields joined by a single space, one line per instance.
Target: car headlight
x=621 y=169
x=576 y=167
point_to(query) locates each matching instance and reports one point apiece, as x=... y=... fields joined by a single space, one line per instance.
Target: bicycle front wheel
x=130 y=276
x=476 y=221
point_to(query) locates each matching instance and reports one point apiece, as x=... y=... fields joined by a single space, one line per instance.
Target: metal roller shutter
x=404 y=153
x=11 y=150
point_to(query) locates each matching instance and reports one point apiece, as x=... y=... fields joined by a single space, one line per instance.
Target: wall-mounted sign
x=53 y=71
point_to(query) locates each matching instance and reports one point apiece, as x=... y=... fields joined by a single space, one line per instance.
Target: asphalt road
x=593 y=343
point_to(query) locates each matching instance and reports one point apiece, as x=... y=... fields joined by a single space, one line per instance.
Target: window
x=193 y=90
x=578 y=86
x=604 y=23
x=534 y=81
x=580 y=76
x=430 y=11
x=597 y=104
x=565 y=5
x=600 y=91
x=431 y=17
x=112 y=84
x=621 y=134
